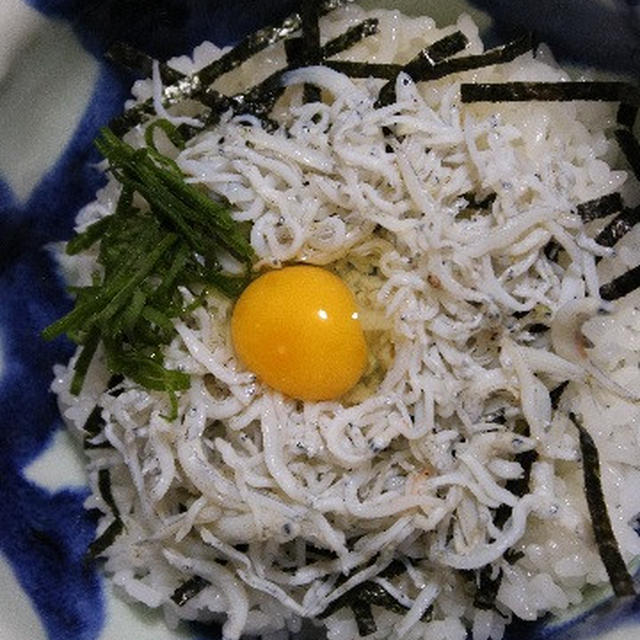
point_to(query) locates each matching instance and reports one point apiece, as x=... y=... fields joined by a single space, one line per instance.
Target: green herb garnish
x=147 y=252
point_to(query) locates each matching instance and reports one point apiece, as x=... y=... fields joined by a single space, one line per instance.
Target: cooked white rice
x=410 y=464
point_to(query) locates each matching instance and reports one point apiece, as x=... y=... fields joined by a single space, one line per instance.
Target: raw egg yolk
x=297 y=329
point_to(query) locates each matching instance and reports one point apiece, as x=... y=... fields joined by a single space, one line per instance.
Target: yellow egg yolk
x=297 y=329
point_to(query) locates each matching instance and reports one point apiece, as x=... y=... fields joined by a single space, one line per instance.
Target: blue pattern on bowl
x=592 y=32
x=44 y=534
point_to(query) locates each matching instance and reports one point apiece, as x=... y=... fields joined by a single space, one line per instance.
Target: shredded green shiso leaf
x=146 y=254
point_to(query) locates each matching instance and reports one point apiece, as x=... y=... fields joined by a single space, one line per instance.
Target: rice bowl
x=447 y=485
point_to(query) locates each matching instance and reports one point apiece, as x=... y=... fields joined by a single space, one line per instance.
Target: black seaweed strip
x=549 y=91
x=184 y=89
x=293 y=49
x=115 y=380
x=369 y=592
x=197 y=85
x=438 y=51
x=394 y=569
x=351 y=36
x=537 y=327
x=499 y=55
x=482 y=204
x=87 y=444
x=512 y=556
x=310 y=50
x=552 y=250
x=105 y=540
x=189 y=87
x=94 y=424
x=600 y=207
x=189 y=589
x=619 y=576
x=556 y=394
x=627 y=115
x=618 y=227
x=247 y=48
x=517 y=486
x=139 y=62
x=104 y=487
x=423 y=63
x=364 y=618
x=319 y=551
x=260 y=99
x=622 y=285
x=497 y=417
x=631 y=149
x=487 y=588
x=364 y=69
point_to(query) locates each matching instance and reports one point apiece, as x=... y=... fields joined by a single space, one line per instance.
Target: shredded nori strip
x=486 y=588
x=600 y=207
x=517 y=486
x=256 y=42
x=371 y=593
x=321 y=552
x=618 y=227
x=537 y=327
x=437 y=52
x=631 y=149
x=259 y=100
x=512 y=556
x=187 y=88
x=104 y=541
x=196 y=86
x=368 y=593
x=619 y=576
x=364 y=69
x=549 y=92
x=104 y=487
x=95 y=423
x=310 y=51
x=423 y=63
x=499 y=55
x=479 y=204
x=556 y=394
x=552 y=250
x=627 y=115
x=351 y=36
x=139 y=62
x=588 y=211
x=622 y=285
x=189 y=589
x=364 y=618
